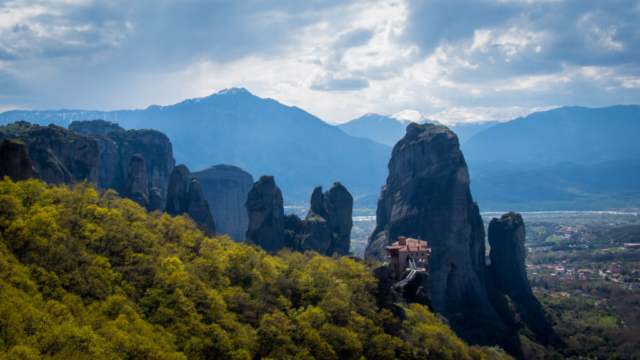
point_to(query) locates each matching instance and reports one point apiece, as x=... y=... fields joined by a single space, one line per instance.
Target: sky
x=335 y=59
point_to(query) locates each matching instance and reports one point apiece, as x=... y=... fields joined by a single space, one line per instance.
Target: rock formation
x=136 y=185
x=508 y=272
x=198 y=208
x=226 y=187
x=15 y=162
x=293 y=226
x=117 y=147
x=327 y=227
x=427 y=196
x=176 y=203
x=65 y=156
x=89 y=127
x=155 y=200
x=59 y=155
x=266 y=215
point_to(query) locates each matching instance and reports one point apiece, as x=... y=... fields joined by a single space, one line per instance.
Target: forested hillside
x=90 y=275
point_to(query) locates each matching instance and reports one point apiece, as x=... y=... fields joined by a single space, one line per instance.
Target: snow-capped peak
x=410 y=115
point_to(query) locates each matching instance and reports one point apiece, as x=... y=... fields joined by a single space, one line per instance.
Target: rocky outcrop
x=59 y=155
x=427 y=196
x=508 y=272
x=327 y=227
x=15 y=161
x=89 y=127
x=293 y=226
x=156 y=203
x=198 y=208
x=65 y=156
x=226 y=187
x=176 y=203
x=137 y=180
x=117 y=147
x=266 y=215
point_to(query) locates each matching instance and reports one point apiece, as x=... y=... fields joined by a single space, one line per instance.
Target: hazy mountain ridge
x=389 y=129
x=259 y=135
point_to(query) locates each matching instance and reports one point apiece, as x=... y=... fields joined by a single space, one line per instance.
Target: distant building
x=565 y=231
x=632 y=246
x=405 y=249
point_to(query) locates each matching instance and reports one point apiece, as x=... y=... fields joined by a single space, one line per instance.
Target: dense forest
x=87 y=274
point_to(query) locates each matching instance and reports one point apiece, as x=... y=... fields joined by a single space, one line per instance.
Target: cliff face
x=59 y=155
x=508 y=272
x=198 y=208
x=89 y=127
x=155 y=200
x=266 y=215
x=427 y=196
x=327 y=227
x=135 y=188
x=65 y=156
x=226 y=187
x=176 y=203
x=15 y=161
x=117 y=148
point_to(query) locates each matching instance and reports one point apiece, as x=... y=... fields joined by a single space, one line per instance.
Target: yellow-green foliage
x=89 y=275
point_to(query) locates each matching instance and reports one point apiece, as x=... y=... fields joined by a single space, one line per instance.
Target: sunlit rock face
x=266 y=215
x=427 y=196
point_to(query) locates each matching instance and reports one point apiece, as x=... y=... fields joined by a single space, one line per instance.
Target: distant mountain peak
x=408 y=115
x=233 y=91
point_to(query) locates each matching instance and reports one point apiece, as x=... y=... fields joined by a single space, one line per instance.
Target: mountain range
x=389 y=129
x=569 y=158
x=258 y=135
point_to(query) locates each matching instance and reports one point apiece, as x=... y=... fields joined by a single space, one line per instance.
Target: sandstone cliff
x=155 y=200
x=117 y=147
x=226 y=187
x=508 y=272
x=198 y=208
x=176 y=203
x=59 y=155
x=15 y=162
x=266 y=215
x=89 y=127
x=327 y=227
x=137 y=179
x=427 y=195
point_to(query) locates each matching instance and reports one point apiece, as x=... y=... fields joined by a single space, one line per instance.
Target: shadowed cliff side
x=266 y=215
x=508 y=275
x=226 y=187
x=327 y=227
x=15 y=162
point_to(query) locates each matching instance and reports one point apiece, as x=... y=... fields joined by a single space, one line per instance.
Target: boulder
x=15 y=162
x=427 y=196
x=266 y=215
x=89 y=127
x=226 y=187
x=198 y=208
x=176 y=203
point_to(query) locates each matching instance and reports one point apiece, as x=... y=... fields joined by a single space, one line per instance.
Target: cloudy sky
x=337 y=59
